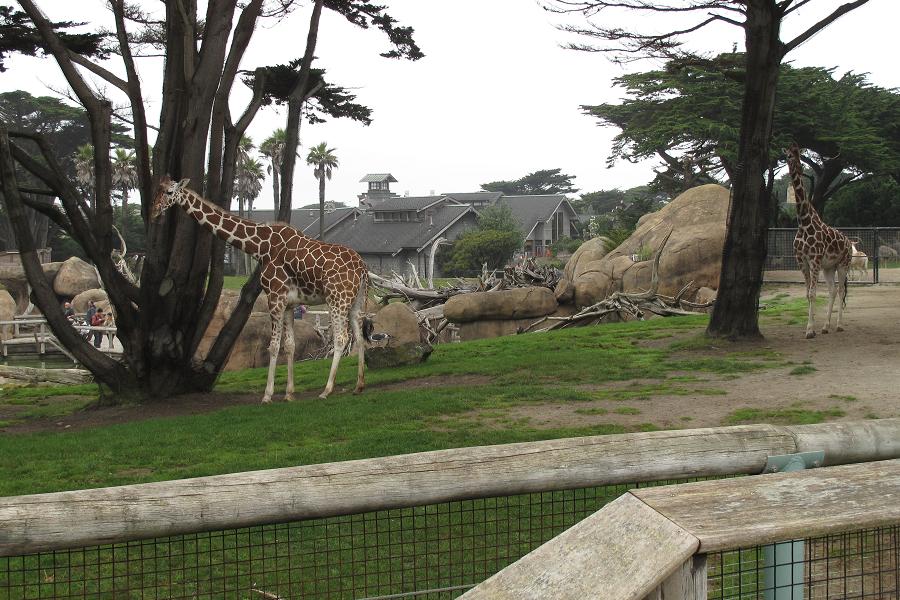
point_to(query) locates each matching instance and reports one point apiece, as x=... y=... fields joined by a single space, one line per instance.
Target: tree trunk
x=124 y=210
x=322 y=204
x=735 y=314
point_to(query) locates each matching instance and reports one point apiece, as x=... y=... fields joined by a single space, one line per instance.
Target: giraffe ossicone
x=295 y=269
x=818 y=246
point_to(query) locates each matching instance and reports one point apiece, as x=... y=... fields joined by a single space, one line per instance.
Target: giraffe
x=295 y=269
x=816 y=246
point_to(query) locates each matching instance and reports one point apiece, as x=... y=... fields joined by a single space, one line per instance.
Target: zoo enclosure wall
x=881 y=246
x=422 y=525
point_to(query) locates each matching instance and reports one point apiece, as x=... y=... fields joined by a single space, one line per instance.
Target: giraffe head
x=166 y=195
x=793 y=152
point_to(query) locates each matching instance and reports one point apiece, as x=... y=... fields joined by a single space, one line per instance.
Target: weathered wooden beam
x=688 y=582
x=85 y=517
x=749 y=511
x=60 y=376
x=622 y=552
x=850 y=442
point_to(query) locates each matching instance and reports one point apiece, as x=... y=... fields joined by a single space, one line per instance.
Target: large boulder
x=590 y=251
x=252 y=346
x=80 y=302
x=399 y=322
x=397 y=355
x=75 y=276
x=697 y=220
x=491 y=328
x=12 y=277
x=517 y=303
x=7 y=312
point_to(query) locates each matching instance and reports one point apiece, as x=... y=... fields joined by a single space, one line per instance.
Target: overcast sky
x=494 y=98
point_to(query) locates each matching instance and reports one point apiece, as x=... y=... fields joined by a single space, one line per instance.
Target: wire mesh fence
x=428 y=552
x=880 y=245
x=858 y=564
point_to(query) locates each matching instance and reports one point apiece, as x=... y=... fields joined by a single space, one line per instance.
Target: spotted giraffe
x=295 y=269
x=818 y=246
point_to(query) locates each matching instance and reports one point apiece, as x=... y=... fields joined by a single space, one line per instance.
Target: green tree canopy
x=493 y=241
x=475 y=248
x=689 y=112
x=546 y=181
x=19 y=35
x=871 y=203
x=498 y=217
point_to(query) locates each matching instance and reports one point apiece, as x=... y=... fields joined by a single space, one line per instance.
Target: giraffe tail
x=368 y=326
x=844 y=296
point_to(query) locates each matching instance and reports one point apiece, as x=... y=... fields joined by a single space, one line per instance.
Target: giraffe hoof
x=839 y=328
x=824 y=330
x=288 y=397
x=359 y=390
x=323 y=396
x=267 y=400
x=810 y=335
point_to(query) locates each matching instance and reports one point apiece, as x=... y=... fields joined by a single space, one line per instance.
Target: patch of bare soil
x=855 y=374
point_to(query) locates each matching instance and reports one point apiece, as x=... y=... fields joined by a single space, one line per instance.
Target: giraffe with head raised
x=818 y=246
x=295 y=269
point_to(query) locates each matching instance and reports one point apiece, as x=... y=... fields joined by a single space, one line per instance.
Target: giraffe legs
x=356 y=322
x=811 y=275
x=829 y=279
x=841 y=293
x=289 y=350
x=339 y=332
x=277 y=314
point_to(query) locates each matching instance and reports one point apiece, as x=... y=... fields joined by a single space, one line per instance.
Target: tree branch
x=834 y=16
x=96 y=69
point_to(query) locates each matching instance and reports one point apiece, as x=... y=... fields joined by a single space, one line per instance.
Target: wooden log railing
x=35 y=331
x=40 y=522
x=651 y=543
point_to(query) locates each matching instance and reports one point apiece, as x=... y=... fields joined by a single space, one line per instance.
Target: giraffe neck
x=806 y=214
x=235 y=230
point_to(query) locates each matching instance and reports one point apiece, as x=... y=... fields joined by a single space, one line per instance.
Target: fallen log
x=60 y=376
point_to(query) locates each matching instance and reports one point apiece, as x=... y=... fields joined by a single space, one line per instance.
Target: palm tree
x=245 y=147
x=124 y=177
x=247 y=186
x=84 y=171
x=273 y=148
x=323 y=160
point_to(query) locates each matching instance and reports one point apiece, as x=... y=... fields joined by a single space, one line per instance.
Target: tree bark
x=735 y=314
x=321 y=204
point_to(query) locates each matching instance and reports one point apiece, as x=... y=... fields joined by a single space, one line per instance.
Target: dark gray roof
x=378 y=177
x=368 y=237
x=475 y=197
x=531 y=209
x=306 y=219
x=406 y=203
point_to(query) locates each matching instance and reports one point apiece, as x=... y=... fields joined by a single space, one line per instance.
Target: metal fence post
x=784 y=567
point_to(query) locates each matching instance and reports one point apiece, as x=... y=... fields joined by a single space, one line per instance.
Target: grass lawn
x=470 y=384
x=458 y=398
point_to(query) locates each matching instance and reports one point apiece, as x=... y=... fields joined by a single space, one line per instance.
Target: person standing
x=97 y=321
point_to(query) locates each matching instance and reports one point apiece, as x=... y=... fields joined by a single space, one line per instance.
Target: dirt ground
x=855 y=374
